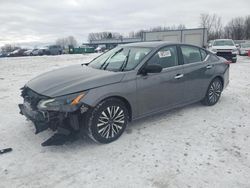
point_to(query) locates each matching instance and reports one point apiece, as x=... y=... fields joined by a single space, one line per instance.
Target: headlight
x=65 y=103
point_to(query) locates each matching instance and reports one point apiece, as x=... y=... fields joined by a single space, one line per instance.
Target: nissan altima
x=129 y=82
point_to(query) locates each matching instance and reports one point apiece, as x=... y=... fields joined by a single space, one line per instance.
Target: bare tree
x=65 y=42
x=181 y=26
x=206 y=21
x=213 y=24
x=247 y=27
x=236 y=28
x=8 y=48
x=104 y=35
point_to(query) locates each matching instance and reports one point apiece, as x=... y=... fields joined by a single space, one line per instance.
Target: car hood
x=224 y=47
x=72 y=79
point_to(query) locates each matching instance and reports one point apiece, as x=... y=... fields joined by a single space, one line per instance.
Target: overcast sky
x=46 y=20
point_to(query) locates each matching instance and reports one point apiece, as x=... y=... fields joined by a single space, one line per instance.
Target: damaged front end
x=62 y=114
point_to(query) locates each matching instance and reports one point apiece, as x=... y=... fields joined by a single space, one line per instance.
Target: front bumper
x=43 y=120
x=66 y=117
x=227 y=55
x=40 y=119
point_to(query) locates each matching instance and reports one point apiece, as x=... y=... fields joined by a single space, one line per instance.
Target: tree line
x=237 y=29
x=132 y=34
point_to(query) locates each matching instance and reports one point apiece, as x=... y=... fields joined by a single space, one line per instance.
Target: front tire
x=107 y=121
x=213 y=93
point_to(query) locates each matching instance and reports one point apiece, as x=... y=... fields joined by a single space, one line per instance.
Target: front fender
x=125 y=90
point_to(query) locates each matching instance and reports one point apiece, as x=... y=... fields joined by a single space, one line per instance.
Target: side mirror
x=237 y=45
x=151 y=69
x=209 y=45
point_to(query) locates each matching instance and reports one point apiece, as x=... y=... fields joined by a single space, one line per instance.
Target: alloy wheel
x=110 y=122
x=215 y=91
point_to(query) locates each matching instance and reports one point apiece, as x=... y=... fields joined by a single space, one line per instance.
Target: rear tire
x=213 y=92
x=107 y=121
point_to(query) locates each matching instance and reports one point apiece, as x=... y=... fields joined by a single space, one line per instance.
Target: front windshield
x=120 y=58
x=223 y=43
x=246 y=45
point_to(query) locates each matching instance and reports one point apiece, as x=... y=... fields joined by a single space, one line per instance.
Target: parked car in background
x=224 y=48
x=54 y=50
x=100 y=48
x=40 y=51
x=35 y=52
x=17 y=53
x=126 y=83
x=44 y=51
x=244 y=48
x=28 y=52
x=2 y=54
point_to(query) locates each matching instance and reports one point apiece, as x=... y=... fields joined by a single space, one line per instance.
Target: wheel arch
x=215 y=77
x=220 y=78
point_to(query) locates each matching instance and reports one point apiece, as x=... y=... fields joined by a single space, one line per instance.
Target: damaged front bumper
x=63 y=121
x=40 y=119
x=66 y=119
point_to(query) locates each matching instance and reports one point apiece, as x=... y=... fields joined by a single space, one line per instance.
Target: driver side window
x=166 y=57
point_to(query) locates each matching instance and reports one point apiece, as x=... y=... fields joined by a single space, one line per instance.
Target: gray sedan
x=126 y=83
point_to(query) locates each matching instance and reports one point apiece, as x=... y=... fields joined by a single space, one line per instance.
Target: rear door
x=158 y=91
x=197 y=72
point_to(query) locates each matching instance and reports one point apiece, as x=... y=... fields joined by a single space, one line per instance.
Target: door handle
x=209 y=66
x=178 y=76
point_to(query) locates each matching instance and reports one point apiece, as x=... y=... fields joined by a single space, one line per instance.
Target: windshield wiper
x=125 y=62
x=104 y=68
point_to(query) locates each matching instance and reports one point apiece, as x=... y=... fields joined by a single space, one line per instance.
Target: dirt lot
x=195 y=146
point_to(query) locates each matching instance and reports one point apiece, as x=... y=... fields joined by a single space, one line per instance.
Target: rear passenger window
x=203 y=54
x=166 y=57
x=191 y=54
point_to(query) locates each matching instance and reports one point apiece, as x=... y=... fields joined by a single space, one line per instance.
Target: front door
x=159 y=91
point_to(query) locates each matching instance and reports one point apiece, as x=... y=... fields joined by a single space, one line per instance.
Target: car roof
x=153 y=44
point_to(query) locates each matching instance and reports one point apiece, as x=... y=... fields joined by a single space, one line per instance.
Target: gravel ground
x=194 y=146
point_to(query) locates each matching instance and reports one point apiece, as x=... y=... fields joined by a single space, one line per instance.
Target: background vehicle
x=17 y=53
x=2 y=54
x=53 y=50
x=126 y=83
x=244 y=48
x=224 y=48
x=35 y=52
x=100 y=48
x=28 y=52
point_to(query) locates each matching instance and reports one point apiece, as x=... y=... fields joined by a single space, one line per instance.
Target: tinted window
x=203 y=54
x=190 y=54
x=166 y=57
